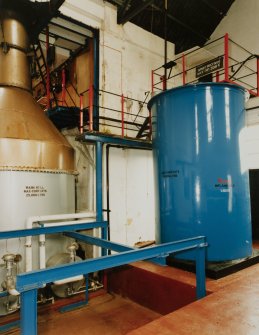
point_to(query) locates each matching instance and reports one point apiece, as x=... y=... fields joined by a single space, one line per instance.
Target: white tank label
x=35 y=191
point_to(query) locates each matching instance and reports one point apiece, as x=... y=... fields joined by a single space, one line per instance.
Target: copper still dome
x=28 y=139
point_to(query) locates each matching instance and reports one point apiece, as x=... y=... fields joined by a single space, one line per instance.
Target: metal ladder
x=42 y=68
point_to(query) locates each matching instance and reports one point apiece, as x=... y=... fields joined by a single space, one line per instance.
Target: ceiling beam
x=135 y=11
x=123 y=8
x=184 y=25
x=55 y=4
x=215 y=9
x=44 y=11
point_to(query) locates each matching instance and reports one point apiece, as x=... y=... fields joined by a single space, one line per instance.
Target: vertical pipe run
x=81 y=120
x=99 y=190
x=99 y=181
x=183 y=67
x=152 y=82
x=91 y=100
x=165 y=46
x=63 y=86
x=47 y=69
x=150 y=123
x=96 y=80
x=217 y=77
x=226 y=52
x=122 y=115
x=108 y=191
x=163 y=79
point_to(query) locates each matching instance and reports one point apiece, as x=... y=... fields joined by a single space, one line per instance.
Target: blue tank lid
x=195 y=86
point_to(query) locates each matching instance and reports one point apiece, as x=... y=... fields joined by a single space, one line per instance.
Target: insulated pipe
x=42 y=241
x=13 y=291
x=37 y=219
x=42 y=246
x=68 y=280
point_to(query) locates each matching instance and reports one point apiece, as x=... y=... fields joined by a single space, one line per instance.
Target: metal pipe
x=152 y=82
x=96 y=47
x=42 y=251
x=37 y=219
x=165 y=46
x=91 y=97
x=183 y=66
x=68 y=280
x=63 y=86
x=217 y=76
x=257 y=76
x=99 y=181
x=81 y=121
x=122 y=115
x=47 y=69
x=99 y=189
x=150 y=124
x=226 y=52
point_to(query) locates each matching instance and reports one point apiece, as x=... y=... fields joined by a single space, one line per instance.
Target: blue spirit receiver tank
x=201 y=184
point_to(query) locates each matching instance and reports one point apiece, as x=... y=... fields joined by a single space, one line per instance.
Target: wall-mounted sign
x=208 y=67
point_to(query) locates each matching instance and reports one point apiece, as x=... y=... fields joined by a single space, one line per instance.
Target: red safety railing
x=124 y=116
x=237 y=65
x=114 y=116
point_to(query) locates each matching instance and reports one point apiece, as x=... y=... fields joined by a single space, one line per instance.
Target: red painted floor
x=106 y=314
x=231 y=308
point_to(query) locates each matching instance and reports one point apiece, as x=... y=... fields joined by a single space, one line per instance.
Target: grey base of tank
x=216 y=270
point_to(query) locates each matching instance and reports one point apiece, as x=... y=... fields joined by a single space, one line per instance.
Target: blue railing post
x=86 y=288
x=29 y=312
x=200 y=271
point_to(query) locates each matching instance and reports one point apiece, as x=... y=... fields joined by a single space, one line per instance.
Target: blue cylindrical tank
x=201 y=184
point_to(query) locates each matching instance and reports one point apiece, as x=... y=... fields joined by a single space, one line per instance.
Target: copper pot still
x=36 y=161
x=28 y=139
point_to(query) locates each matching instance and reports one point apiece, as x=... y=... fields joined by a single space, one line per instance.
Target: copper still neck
x=14 y=67
x=28 y=140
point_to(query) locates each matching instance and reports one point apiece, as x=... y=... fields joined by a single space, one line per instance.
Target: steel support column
x=28 y=283
x=200 y=272
x=29 y=312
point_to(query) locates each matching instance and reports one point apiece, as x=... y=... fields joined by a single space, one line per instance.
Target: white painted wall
x=131 y=196
x=242 y=24
x=127 y=56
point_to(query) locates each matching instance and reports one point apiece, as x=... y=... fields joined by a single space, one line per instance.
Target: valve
x=72 y=251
